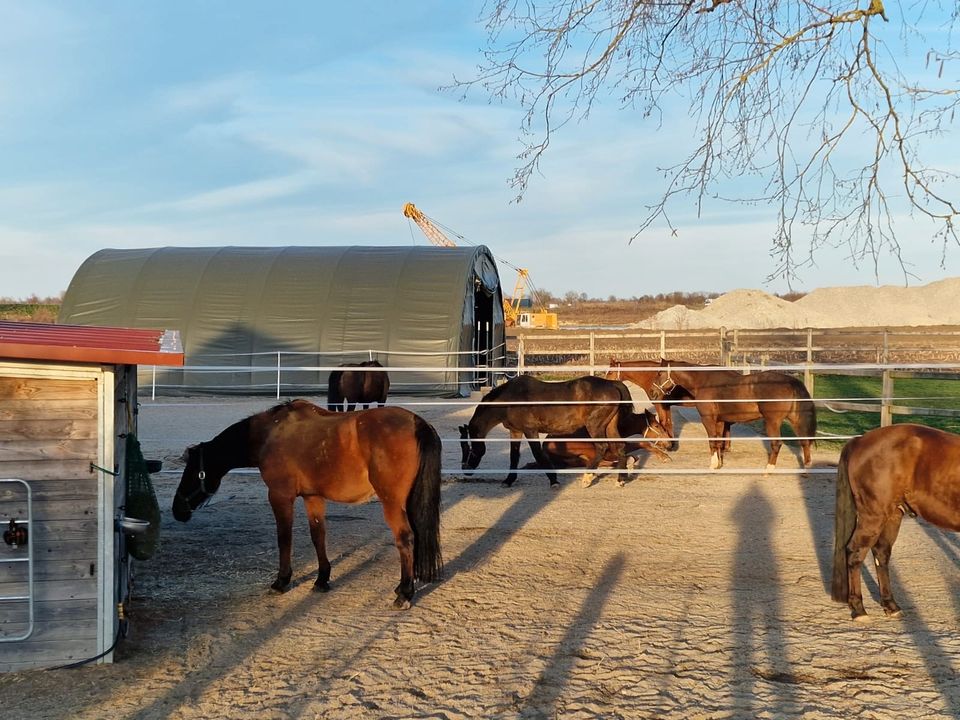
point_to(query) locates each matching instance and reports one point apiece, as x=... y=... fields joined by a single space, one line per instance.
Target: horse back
x=912 y=467
x=540 y=405
x=344 y=457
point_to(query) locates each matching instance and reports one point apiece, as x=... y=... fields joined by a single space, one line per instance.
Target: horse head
x=197 y=484
x=662 y=384
x=470 y=452
x=656 y=433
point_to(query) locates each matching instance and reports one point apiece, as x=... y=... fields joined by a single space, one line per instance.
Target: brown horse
x=527 y=407
x=724 y=397
x=574 y=452
x=643 y=373
x=882 y=475
x=357 y=387
x=305 y=451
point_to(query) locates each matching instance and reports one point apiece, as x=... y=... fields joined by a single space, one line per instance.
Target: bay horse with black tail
x=576 y=450
x=305 y=451
x=724 y=397
x=643 y=374
x=354 y=388
x=527 y=407
x=883 y=475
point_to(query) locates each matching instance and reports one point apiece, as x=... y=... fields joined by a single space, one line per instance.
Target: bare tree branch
x=836 y=118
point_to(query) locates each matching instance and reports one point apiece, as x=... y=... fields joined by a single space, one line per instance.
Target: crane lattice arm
x=433 y=233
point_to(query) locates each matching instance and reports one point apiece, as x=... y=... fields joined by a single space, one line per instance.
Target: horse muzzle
x=181 y=509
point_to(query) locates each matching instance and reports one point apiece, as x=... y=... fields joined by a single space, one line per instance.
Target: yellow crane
x=512 y=314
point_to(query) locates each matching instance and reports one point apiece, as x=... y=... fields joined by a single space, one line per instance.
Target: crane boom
x=433 y=233
x=511 y=305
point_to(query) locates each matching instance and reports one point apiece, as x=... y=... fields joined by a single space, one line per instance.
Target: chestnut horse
x=724 y=397
x=882 y=475
x=643 y=373
x=526 y=407
x=357 y=387
x=305 y=451
x=574 y=451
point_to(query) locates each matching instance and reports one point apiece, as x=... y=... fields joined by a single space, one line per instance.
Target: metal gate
x=17 y=537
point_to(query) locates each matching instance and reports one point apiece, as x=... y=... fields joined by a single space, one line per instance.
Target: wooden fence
x=810 y=349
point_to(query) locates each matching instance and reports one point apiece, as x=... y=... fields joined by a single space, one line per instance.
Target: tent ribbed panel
x=316 y=306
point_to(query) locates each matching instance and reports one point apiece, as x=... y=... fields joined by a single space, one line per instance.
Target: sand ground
x=676 y=596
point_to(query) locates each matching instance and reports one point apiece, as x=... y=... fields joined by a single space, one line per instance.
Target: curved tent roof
x=407 y=306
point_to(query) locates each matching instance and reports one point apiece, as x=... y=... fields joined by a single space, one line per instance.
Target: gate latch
x=16 y=534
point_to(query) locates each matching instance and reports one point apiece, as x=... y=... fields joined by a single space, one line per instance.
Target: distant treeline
x=690 y=299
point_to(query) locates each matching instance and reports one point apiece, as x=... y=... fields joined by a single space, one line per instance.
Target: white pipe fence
x=881 y=404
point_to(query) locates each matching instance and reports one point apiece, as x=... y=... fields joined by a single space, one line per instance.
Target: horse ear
x=186 y=453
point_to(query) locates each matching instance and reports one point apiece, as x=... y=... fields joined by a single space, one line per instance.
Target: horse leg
x=881 y=556
x=543 y=460
x=772 y=427
x=714 y=430
x=283 y=513
x=316 y=511
x=396 y=517
x=514 y=458
x=726 y=436
x=665 y=417
x=864 y=537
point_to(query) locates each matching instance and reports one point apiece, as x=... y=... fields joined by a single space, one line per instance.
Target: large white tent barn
x=434 y=308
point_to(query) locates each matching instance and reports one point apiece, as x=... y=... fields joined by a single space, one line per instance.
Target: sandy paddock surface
x=672 y=597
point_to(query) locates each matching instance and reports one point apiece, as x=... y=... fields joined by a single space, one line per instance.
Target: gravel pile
x=935 y=304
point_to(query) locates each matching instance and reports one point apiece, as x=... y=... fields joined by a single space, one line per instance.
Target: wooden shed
x=68 y=401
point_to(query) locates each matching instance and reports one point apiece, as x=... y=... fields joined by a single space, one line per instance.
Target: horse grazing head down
x=197 y=484
x=471 y=453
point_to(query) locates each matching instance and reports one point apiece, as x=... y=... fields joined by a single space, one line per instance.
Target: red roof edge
x=90 y=344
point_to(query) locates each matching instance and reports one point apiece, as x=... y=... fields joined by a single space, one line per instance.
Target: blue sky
x=232 y=123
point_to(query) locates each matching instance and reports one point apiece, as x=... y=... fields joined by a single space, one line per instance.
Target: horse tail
x=423 y=505
x=844 y=522
x=806 y=414
x=334 y=398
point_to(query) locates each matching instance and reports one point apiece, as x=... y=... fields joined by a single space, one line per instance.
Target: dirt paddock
x=676 y=596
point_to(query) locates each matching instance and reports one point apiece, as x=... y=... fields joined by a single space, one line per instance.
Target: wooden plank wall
x=49 y=436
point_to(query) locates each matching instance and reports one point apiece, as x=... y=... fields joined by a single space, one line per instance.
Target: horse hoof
x=896 y=613
x=586 y=480
x=621 y=482
x=321 y=587
x=554 y=485
x=631 y=462
x=769 y=468
x=863 y=618
x=279 y=587
x=507 y=484
x=714 y=462
x=401 y=604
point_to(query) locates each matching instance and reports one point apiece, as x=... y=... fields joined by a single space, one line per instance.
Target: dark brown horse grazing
x=357 y=387
x=643 y=373
x=724 y=397
x=303 y=450
x=882 y=475
x=574 y=452
x=527 y=407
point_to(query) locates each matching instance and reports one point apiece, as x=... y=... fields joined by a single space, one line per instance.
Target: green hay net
x=141 y=503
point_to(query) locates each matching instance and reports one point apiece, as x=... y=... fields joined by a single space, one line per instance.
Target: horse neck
x=485 y=418
x=230 y=449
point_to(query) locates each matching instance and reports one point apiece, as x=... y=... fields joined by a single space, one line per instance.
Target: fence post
x=520 y=353
x=724 y=357
x=663 y=343
x=592 y=349
x=278 y=375
x=808 y=373
x=886 y=414
x=886 y=387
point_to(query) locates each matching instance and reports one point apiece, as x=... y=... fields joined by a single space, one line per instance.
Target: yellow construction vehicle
x=512 y=313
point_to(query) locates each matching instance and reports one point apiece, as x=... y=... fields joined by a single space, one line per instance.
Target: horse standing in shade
x=305 y=451
x=883 y=475
x=724 y=397
x=527 y=407
x=357 y=387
